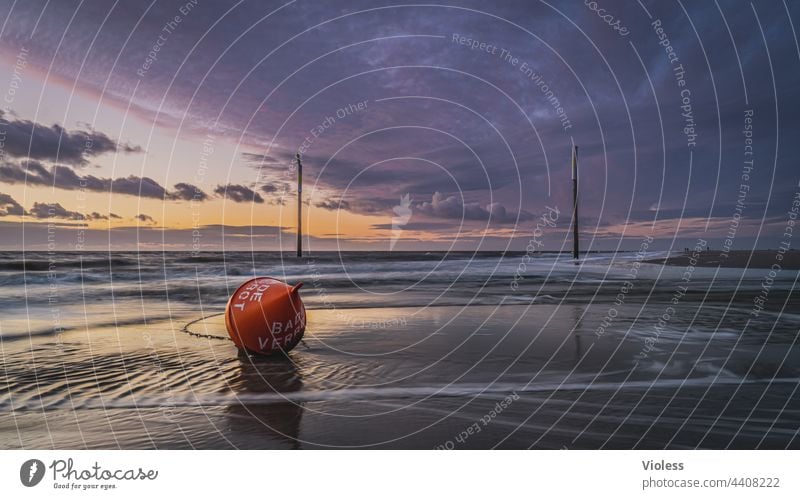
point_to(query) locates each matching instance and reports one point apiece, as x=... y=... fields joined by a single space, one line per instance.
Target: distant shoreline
x=756 y=259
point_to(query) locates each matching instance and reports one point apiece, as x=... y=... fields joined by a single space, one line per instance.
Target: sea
x=420 y=350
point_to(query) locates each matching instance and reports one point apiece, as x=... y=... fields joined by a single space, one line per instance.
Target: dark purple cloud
x=27 y=139
x=239 y=193
x=9 y=206
x=99 y=216
x=452 y=207
x=187 y=192
x=145 y=219
x=31 y=172
x=333 y=205
x=54 y=210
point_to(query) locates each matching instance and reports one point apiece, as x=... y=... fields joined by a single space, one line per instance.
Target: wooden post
x=575 y=232
x=299 y=207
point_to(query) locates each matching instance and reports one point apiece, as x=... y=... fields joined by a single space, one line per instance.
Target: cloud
x=612 y=117
x=188 y=192
x=239 y=193
x=278 y=192
x=38 y=235
x=364 y=206
x=9 y=206
x=259 y=159
x=452 y=207
x=416 y=226
x=31 y=172
x=333 y=205
x=371 y=193
x=132 y=185
x=27 y=139
x=99 y=216
x=54 y=210
x=145 y=218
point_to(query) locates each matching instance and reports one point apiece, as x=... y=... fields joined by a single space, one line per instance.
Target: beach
x=418 y=350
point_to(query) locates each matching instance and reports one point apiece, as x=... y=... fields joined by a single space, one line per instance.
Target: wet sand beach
x=421 y=385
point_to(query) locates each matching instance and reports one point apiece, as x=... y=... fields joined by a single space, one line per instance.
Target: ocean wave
x=65 y=262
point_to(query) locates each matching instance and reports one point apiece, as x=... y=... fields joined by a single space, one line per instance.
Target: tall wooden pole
x=299 y=207
x=575 y=238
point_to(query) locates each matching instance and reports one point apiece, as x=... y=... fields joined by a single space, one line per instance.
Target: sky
x=173 y=125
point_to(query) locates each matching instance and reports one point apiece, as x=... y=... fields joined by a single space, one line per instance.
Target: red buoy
x=265 y=315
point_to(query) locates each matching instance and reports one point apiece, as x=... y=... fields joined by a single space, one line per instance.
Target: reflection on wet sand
x=279 y=421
